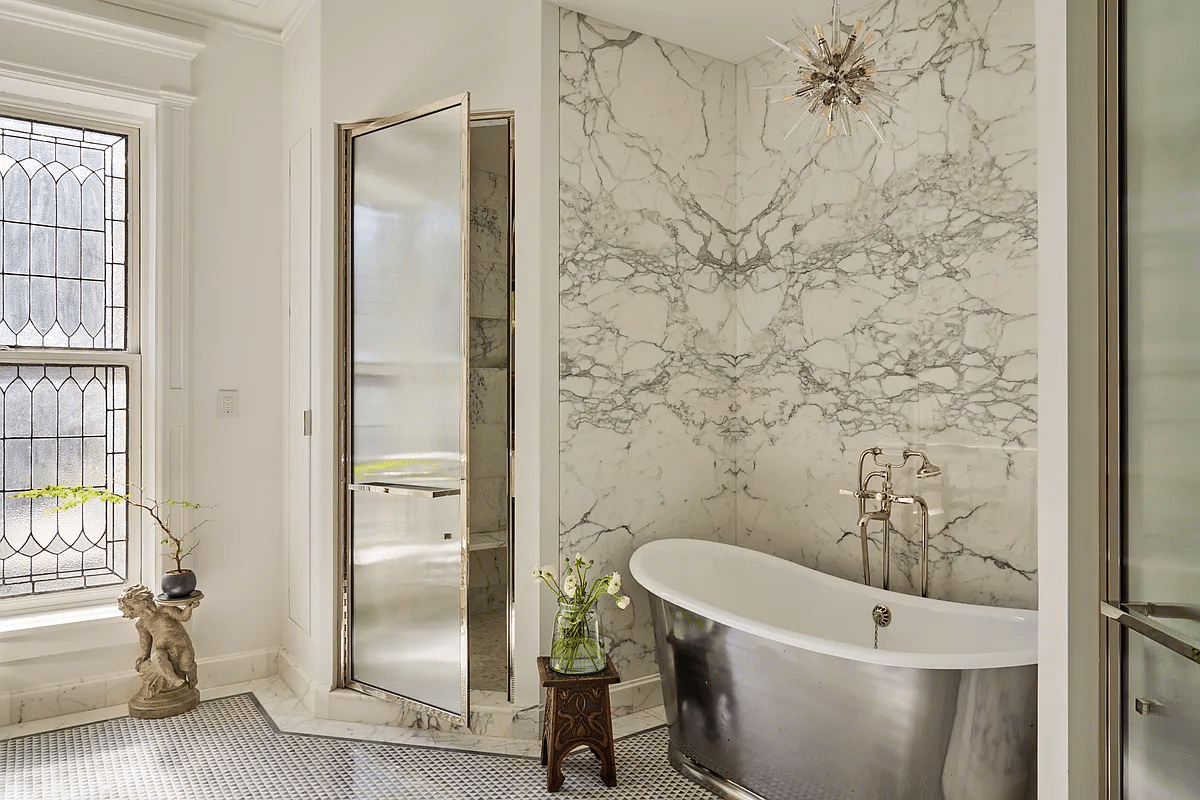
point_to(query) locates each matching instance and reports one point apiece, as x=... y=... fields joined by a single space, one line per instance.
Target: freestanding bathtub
x=773 y=686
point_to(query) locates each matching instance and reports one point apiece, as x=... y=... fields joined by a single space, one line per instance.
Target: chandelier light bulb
x=838 y=82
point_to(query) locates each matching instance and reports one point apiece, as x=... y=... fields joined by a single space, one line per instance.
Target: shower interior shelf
x=488 y=540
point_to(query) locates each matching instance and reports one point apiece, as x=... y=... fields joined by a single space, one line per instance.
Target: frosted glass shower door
x=406 y=380
x=1160 y=399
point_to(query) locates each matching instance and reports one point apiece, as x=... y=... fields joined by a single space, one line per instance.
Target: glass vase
x=575 y=646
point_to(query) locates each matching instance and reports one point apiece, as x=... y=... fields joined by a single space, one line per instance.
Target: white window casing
x=157 y=270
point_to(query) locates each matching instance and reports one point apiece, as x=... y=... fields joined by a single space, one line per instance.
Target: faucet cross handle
x=864 y=495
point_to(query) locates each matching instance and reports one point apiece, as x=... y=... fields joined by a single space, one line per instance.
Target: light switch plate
x=227 y=403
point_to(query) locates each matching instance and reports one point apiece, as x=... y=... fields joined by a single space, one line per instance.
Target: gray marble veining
x=888 y=298
x=741 y=314
x=647 y=145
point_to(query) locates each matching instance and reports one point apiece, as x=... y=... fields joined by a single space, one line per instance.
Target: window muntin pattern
x=62 y=425
x=62 y=236
x=63 y=289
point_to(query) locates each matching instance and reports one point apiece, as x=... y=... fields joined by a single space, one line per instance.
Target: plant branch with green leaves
x=159 y=510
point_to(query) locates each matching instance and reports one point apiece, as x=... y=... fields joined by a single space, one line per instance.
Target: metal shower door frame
x=343 y=599
x=1119 y=618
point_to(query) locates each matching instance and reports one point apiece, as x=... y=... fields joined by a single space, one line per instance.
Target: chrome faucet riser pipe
x=887 y=555
x=862 y=508
x=862 y=534
x=924 y=545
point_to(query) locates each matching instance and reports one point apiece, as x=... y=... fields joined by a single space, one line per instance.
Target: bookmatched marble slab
x=742 y=314
x=646 y=183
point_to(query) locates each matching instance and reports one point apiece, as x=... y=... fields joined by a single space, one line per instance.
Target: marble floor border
x=287 y=714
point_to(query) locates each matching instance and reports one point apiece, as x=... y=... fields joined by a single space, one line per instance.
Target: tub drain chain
x=882 y=615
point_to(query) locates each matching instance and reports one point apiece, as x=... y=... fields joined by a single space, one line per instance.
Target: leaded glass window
x=62 y=236
x=62 y=425
x=66 y=370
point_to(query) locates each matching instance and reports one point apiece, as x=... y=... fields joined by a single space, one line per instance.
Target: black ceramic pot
x=179 y=584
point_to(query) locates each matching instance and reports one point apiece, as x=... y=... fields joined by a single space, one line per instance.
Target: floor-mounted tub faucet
x=883 y=512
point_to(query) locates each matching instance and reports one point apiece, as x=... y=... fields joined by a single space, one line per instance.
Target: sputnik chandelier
x=838 y=79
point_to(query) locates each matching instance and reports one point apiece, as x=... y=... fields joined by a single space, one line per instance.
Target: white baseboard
x=637 y=694
x=301 y=685
x=103 y=691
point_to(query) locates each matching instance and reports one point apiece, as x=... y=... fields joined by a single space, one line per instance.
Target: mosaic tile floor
x=489 y=652
x=228 y=749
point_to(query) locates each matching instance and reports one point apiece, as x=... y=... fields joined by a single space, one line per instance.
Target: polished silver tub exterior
x=754 y=717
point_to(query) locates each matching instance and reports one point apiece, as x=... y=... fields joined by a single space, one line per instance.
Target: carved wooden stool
x=577 y=713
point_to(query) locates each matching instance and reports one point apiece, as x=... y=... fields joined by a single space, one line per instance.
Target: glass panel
x=60 y=186
x=406 y=611
x=52 y=434
x=1160 y=740
x=1162 y=303
x=407 y=406
x=1161 y=381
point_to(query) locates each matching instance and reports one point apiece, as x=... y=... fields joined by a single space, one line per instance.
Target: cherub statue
x=167 y=664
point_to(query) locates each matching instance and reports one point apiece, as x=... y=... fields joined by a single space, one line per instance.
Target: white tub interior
x=788 y=603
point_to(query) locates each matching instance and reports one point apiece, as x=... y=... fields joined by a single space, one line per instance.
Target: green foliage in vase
x=576 y=634
x=177 y=544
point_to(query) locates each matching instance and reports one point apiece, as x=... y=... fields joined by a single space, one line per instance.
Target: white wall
x=218 y=251
x=1069 y=732
x=378 y=58
x=307 y=635
x=236 y=342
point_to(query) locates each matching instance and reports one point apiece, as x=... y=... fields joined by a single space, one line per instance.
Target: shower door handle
x=1127 y=616
x=407 y=489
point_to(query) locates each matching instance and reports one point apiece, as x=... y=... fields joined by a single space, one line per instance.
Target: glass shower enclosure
x=426 y=397
x=1153 y=583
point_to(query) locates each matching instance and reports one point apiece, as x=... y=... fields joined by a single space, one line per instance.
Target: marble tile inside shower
x=488 y=435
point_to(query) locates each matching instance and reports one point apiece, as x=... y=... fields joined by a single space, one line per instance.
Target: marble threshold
x=290 y=715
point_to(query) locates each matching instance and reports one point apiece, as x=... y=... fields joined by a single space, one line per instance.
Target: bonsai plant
x=176 y=583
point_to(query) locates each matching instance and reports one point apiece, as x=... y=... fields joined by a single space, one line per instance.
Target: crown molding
x=69 y=81
x=93 y=26
x=263 y=33
x=248 y=30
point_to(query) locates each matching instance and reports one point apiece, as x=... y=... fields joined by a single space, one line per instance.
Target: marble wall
x=488 y=412
x=888 y=298
x=742 y=315
x=646 y=312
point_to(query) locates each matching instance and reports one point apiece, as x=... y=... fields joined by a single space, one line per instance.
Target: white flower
x=569 y=584
x=623 y=601
x=614 y=583
x=546 y=572
x=578 y=560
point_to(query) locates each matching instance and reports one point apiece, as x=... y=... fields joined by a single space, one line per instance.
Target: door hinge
x=345 y=643
x=307 y=423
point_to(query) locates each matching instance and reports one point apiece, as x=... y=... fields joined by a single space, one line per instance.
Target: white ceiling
x=731 y=30
x=265 y=18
